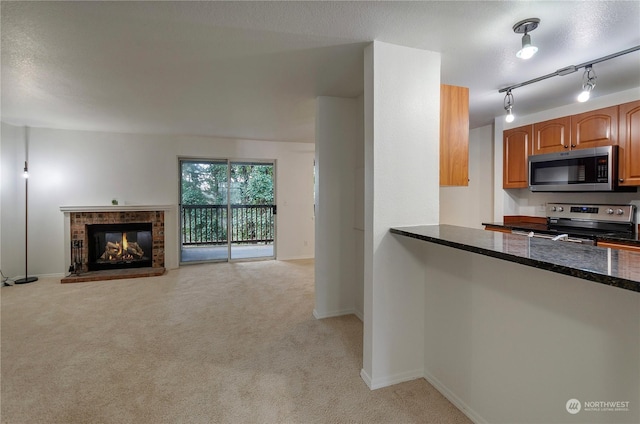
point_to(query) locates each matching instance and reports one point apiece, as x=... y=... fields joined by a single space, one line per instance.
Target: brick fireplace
x=82 y=221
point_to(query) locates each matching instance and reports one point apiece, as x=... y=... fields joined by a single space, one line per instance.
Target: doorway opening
x=227 y=210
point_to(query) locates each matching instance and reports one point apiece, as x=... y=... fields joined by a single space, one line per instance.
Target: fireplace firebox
x=121 y=245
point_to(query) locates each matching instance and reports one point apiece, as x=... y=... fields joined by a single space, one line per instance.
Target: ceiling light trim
x=526 y=25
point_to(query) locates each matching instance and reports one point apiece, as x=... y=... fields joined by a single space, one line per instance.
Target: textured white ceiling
x=253 y=69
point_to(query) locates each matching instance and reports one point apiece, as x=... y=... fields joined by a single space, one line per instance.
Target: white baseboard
x=294 y=258
x=390 y=380
x=52 y=275
x=459 y=403
x=379 y=383
x=359 y=314
x=332 y=314
x=366 y=378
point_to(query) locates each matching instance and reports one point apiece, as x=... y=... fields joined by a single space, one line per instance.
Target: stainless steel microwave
x=593 y=169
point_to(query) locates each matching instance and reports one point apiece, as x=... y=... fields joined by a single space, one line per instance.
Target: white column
x=402 y=120
x=335 y=256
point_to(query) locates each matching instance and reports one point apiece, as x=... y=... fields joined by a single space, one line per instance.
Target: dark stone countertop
x=613 y=267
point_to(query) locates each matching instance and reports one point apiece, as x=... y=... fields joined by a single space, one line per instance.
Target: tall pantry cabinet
x=454 y=136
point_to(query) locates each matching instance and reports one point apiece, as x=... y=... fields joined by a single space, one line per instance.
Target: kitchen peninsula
x=602 y=265
x=516 y=327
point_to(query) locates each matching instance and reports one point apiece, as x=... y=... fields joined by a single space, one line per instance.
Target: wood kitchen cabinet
x=610 y=126
x=595 y=128
x=497 y=229
x=516 y=150
x=552 y=136
x=454 y=135
x=629 y=141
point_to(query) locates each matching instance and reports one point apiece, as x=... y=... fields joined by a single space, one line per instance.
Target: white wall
x=358 y=212
x=12 y=190
x=472 y=205
x=525 y=202
x=402 y=118
x=508 y=343
x=91 y=168
x=337 y=130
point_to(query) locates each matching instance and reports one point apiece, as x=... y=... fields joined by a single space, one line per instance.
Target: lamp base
x=26 y=280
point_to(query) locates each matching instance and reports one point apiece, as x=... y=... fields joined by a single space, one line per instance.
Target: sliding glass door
x=227 y=210
x=252 y=210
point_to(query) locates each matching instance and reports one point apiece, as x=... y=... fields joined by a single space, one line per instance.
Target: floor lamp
x=26 y=278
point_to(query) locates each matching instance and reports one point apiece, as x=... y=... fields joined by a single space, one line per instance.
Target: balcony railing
x=207 y=224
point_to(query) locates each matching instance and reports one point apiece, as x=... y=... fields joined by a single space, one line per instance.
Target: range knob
x=553 y=208
x=560 y=208
x=610 y=211
x=619 y=212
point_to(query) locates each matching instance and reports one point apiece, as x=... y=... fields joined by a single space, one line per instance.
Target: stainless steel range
x=580 y=223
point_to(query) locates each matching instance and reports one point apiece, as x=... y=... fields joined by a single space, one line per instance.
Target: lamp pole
x=26 y=278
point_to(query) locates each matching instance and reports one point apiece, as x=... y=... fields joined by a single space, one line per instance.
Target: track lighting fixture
x=508 y=106
x=588 y=78
x=25 y=174
x=588 y=83
x=524 y=27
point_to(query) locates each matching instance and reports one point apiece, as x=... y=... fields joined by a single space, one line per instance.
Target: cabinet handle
x=621 y=180
x=566 y=147
x=573 y=146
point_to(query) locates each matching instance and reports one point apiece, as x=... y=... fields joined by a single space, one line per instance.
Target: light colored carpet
x=211 y=343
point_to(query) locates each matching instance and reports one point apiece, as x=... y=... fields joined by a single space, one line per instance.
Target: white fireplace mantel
x=117 y=208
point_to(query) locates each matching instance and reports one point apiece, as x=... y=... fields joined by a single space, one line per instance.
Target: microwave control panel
x=602 y=169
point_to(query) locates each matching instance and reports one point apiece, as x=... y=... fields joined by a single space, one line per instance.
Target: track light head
x=509 y=118
x=25 y=174
x=508 y=106
x=588 y=83
x=528 y=50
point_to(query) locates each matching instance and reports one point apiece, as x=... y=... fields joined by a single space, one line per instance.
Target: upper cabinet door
x=516 y=149
x=454 y=135
x=595 y=128
x=629 y=152
x=551 y=136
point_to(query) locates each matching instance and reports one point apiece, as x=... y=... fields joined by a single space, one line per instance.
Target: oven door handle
x=531 y=234
x=561 y=237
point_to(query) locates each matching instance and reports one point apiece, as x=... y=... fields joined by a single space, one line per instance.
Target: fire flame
x=122 y=250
